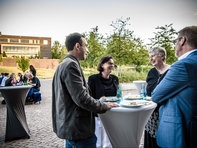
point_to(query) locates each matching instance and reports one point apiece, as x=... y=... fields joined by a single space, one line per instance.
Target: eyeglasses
x=175 y=40
x=151 y=56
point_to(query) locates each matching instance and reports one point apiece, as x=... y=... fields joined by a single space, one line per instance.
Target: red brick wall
x=38 y=63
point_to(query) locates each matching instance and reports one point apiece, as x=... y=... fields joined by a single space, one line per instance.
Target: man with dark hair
x=73 y=107
x=178 y=94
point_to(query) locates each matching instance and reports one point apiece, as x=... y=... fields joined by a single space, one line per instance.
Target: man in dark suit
x=178 y=93
x=72 y=106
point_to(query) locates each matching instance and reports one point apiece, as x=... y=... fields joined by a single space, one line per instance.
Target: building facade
x=27 y=46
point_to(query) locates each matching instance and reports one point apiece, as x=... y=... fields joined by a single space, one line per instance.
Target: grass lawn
x=40 y=73
x=127 y=75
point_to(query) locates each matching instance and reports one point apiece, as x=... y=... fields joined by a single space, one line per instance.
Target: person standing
x=178 y=94
x=32 y=70
x=157 y=56
x=73 y=107
x=103 y=84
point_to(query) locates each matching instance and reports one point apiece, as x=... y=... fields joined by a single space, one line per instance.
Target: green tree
x=4 y=54
x=124 y=46
x=139 y=54
x=164 y=37
x=63 y=53
x=95 y=47
x=1 y=58
x=117 y=41
x=23 y=63
x=39 y=55
x=56 y=50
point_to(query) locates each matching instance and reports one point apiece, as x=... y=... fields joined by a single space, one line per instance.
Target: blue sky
x=58 y=18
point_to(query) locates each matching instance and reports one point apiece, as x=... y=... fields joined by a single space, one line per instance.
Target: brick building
x=25 y=46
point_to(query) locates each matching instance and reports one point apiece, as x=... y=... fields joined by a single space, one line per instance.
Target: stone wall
x=38 y=63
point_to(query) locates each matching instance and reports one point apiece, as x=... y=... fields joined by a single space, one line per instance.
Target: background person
x=7 y=81
x=72 y=106
x=22 y=78
x=103 y=84
x=35 y=82
x=6 y=76
x=32 y=70
x=178 y=94
x=2 y=76
x=11 y=80
x=157 y=56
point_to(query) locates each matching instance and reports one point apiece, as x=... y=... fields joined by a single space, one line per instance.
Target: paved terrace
x=40 y=123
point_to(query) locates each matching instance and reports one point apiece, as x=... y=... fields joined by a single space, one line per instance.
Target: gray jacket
x=72 y=105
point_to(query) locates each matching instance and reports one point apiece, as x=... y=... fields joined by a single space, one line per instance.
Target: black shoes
x=29 y=100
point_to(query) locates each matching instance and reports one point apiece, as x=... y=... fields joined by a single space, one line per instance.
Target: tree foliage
x=124 y=46
x=23 y=63
x=4 y=54
x=63 y=53
x=56 y=50
x=95 y=47
x=1 y=58
x=164 y=38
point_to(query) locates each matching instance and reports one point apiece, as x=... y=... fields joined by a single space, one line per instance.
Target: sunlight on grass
x=124 y=74
x=40 y=73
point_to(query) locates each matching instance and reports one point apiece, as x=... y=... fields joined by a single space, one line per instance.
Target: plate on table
x=136 y=103
x=109 y=99
x=148 y=98
x=132 y=97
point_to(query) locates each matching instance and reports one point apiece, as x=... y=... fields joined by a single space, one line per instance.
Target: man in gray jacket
x=73 y=107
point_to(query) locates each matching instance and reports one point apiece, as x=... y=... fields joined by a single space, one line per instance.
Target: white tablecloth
x=125 y=126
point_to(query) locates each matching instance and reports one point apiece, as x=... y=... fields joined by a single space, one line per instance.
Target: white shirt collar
x=186 y=54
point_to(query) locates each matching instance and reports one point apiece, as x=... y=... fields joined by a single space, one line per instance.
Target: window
x=3 y=40
x=22 y=50
x=24 y=41
x=13 y=40
x=36 y=41
x=45 y=42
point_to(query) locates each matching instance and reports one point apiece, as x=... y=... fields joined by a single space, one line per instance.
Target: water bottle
x=143 y=92
x=119 y=94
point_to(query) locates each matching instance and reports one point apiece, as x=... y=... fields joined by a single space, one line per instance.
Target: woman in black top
x=157 y=56
x=32 y=70
x=103 y=84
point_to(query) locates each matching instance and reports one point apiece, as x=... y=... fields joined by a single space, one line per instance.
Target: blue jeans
x=82 y=143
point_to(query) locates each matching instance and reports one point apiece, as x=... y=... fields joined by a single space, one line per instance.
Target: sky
x=59 y=18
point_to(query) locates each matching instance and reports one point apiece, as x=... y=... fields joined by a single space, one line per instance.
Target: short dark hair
x=6 y=74
x=102 y=61
x=190 y=33
x=72 y=39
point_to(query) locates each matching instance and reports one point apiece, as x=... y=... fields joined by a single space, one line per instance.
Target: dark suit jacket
x=72 y=106
x=8 y=82
x=96 y=87
x=178 y=115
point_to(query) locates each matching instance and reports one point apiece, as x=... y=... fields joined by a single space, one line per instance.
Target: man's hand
x=111 y=105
